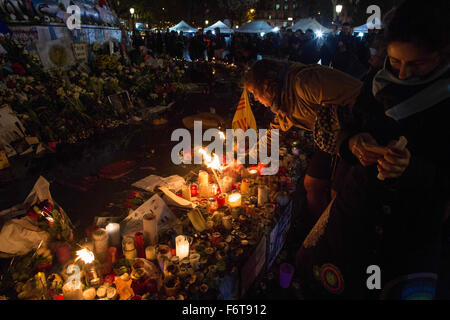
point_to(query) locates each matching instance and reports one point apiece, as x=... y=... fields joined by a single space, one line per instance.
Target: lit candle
x=263 y=195
x=234 y=200
x=100 y=237
x=182 y=247
x=202 y=177
x=113 y=230
x=213 y=189
x=186 y=191
x=245 y=186
x=212 y=205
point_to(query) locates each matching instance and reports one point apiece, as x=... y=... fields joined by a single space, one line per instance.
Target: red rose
x=17 y=67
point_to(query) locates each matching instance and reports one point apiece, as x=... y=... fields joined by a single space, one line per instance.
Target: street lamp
x=339 y=8
x=132 y=18
x=206 y=22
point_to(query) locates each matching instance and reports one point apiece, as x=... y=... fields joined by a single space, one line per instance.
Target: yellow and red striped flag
x=244 y=118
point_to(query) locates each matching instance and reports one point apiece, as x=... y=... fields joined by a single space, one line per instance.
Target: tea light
x=194 y=260
x=227 y=181
x=113 y=230
x=245 y=186
x=150 y=253
x=203 y=177
x=186 y=192
x=263 y=195
x=234 y=200
x=182 y=247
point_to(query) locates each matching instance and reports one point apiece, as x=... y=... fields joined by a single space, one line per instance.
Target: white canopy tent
x=255 y=27
x=377 y=24
x=183 y=26
x=309 y=23
x=222 y=26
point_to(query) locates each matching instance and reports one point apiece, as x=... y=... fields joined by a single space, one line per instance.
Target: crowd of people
x=341 y=50
x=378 y=188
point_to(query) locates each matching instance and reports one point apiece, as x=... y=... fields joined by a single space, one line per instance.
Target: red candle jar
x=194 y=190
x=173 y=252
x=59 y=297
x=139 y=240
x=221 y=200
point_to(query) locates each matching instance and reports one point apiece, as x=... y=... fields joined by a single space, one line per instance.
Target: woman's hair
x=422 y=23
x=264 y=73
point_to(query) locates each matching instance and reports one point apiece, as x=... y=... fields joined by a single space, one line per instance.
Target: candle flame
x=85 y=255
x=211 y=162
x=222 y=135
x=234 y=197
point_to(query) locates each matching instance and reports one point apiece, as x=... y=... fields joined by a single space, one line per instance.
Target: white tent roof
x=183 y=26
x=309 y=23
x=363 y=28
x=222 y=26
x=255 y=27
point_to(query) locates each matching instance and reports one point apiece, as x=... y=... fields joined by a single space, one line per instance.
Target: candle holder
x=171 y=286
x=212 y=205
x=234 y=200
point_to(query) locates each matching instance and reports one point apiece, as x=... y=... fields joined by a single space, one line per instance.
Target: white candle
x=234 y=200
x=203 y=177
x=226 y=183
x=100 y=237
x=113 y=230
x=186 y=191
x=263 y=195
x=150 y=229
x=182 y=247
x=203 y=190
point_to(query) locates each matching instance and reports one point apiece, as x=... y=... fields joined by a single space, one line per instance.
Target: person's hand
x=394 y=162
x=363 y=145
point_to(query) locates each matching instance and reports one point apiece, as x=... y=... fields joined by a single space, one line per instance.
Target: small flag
x=244 y=118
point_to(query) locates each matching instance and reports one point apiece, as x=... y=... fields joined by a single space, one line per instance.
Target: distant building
x=278 y=13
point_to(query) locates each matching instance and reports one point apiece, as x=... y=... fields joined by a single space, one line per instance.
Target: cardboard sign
x=278 y=235
x=80 y=51
x=253 y=266
x=120 y=101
